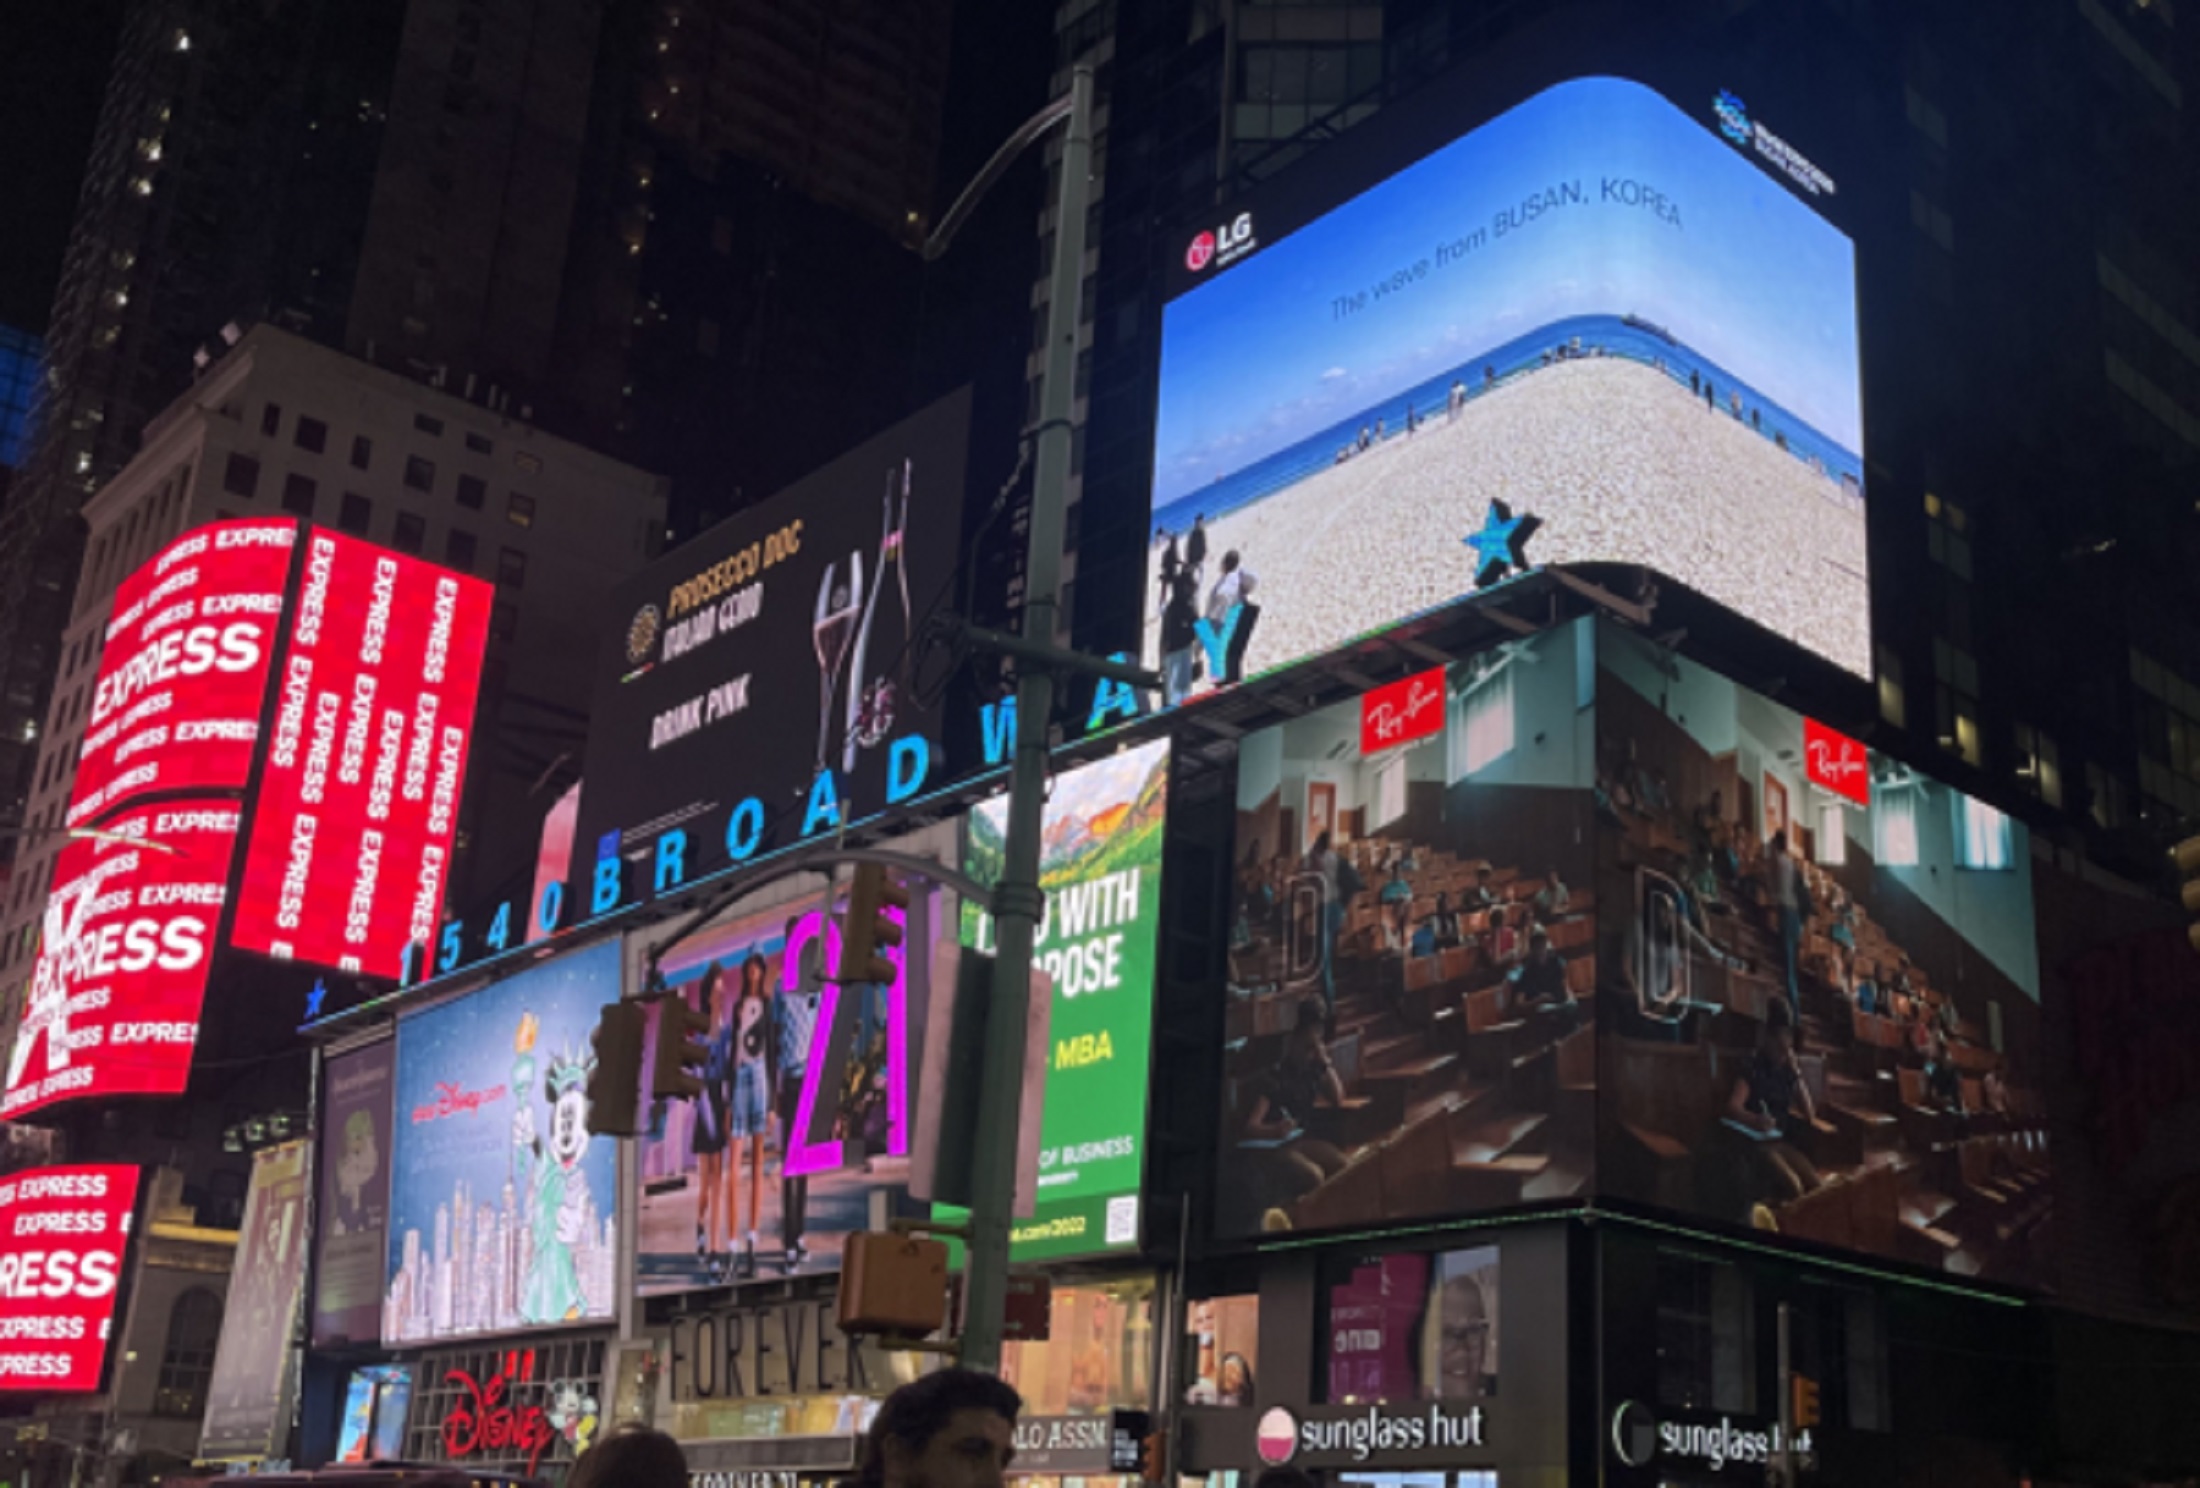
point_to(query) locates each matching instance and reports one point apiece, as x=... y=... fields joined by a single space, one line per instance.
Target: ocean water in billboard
x=1589 y=316
x=805 y=1111
x=1412 y=949
x=503 y=1207
x=1100 y=864
x=1821 y=990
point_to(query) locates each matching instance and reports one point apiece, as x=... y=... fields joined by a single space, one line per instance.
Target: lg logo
x=1223 y=244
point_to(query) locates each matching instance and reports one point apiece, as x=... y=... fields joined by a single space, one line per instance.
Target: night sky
x=51 y=74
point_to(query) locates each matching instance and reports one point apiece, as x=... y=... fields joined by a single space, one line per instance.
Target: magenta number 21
x=814 y=1146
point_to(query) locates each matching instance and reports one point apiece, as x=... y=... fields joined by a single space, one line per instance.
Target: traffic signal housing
x=1803 y=1409
x=615 y=1084
x=869 y=930
x=2187 y=855
x=682 y=1048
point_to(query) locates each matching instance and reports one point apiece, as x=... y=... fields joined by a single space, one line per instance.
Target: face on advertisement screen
x=1590 y=316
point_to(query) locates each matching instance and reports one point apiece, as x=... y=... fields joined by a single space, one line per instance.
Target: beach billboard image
x=1589 y=331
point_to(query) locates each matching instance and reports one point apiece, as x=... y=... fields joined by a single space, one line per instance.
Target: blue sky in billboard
x=1591 y=307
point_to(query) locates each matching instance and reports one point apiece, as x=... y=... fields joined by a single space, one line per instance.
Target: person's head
x=1321 y=843
x=1443 y=904
x=1199 y=1321
x=1778 y=846
x=754 y=977
x=1554 y=880
x=631 y=1456
x=1230 y=561
x=1497 y=917
x=1539 y=947
x=1462 y=1338
x=1482 y=875
x=1235 y=1378
x=711 y=990
x=1306 y=1034
x=954 y=1428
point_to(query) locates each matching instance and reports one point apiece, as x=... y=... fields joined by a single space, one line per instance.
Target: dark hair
x=1284 y=1477
x=632 y=1456
x=920 y=1410
x=1230 y=561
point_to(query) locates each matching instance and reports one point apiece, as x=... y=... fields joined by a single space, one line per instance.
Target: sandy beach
x=1622 y=465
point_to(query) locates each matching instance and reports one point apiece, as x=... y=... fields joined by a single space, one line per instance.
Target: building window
x=420 y=473
x=311 y=434
x=480 y=444
x=298 y=491
x=362 y=451
x=354 y=513
x=1707 y=1353
x=271 y=420
x=503 y=621
x=1833 y=837
x=472 y=491
x=241 y=476
x=1982 y=836
x=2039 y=764
x=426 y=424
x=520 y=510
x=512 y=568
x=458 y=550
x=187 y=1360
x=1894 y=826
x=411 y=533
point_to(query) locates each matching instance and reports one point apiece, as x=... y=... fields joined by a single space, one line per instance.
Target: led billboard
x=63 y=1235
x=184 y=667
x=359 y=791
x=758 y=684
x=353 y=1178
x=1588 y=331
x=503 y=1208
x=1408 y=1030
x=1820 y=998
x=807 y=1095
x=115 y=995
x=1100 y=864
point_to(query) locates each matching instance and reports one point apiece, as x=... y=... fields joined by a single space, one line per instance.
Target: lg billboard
x=341 y=781
x=1590 y=331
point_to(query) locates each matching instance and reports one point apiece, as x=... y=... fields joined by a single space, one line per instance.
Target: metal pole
x=1787 y=1404
x=1018 y=900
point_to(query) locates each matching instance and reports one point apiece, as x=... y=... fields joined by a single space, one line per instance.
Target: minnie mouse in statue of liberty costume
x=555 y=1189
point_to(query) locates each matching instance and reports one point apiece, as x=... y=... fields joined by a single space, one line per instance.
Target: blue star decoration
x=314 y=998
x=1502 y=544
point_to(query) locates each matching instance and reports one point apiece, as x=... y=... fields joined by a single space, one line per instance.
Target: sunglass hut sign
x=1371 y=1434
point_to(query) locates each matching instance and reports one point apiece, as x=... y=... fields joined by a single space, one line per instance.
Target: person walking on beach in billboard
x=794 y=1017
x=1195 y=548
x=1170 y=564
x=747 y=1117
x=1179 y=639
x=713 y=1229
x=1231 y=611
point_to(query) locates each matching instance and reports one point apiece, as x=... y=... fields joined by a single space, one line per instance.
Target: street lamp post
x=1018 y=900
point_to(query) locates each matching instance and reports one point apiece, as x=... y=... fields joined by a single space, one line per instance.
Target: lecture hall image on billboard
x=1818 y=980
x=1592 y=310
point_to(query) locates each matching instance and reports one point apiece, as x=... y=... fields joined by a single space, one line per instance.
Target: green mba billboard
x=1100 y=864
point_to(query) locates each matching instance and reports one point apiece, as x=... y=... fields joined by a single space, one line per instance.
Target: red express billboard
x=61 y=1249
x=184 y=669
x=358 y=802
x=122 y=966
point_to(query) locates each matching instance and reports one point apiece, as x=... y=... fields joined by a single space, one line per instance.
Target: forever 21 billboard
x=758 y=685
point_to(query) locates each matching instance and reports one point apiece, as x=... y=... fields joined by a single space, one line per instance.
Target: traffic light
x=868 y=929
x=615 y=1083
x=1803 y=1408
x=2187 y=854
x=1153 y=1456
x=676 y=1071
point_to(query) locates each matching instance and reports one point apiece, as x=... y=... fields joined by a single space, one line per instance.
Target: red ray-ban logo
x=1837 y=762
x=1402 y=712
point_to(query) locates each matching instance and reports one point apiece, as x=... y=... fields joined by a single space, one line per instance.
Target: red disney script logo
x=1837 y=762
x=1406 y=710
x=454 y=1100
x=484 y=1421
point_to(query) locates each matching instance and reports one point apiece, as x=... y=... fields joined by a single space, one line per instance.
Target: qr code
x=1123 y=1220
